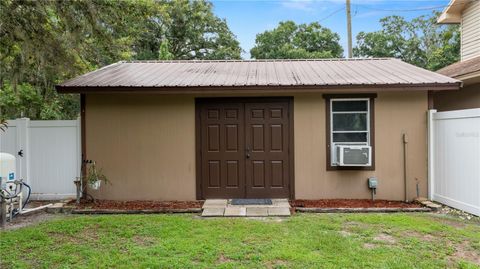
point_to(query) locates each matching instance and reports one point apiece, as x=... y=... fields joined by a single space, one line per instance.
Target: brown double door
x=244 y=148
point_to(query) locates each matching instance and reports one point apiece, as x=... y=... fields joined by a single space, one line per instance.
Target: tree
x=292 y=41
x=421 y=41
x=45 y=42
x=189 y=30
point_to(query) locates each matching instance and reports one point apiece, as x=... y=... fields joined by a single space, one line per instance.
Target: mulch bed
x=352 y=203
x=137 y=205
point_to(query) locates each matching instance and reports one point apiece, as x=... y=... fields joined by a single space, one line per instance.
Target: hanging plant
x=95 y=177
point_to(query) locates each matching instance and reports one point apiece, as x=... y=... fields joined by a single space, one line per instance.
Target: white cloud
x=305 y=5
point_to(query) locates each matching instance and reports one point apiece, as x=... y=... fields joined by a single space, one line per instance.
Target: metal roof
x=232 y=74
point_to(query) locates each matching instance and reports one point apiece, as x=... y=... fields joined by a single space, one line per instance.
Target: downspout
x=405 y=167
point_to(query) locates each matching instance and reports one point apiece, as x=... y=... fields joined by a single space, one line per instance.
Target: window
x=350 y=121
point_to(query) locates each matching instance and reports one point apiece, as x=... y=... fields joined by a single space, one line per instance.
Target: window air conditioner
x=348 y=155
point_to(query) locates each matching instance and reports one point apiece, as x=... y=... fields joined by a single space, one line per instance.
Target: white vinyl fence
x=48 y=155
x=454 y=159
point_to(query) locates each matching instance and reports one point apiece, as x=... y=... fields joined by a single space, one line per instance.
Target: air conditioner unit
x=349 y=155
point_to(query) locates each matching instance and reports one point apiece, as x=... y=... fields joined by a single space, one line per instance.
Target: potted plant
x=95 y=177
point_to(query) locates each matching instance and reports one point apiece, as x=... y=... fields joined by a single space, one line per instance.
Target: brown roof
x=459 y=70
x=249 y=74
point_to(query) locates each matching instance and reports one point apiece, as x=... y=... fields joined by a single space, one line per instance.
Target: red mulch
x=351 y=203
x=138 y=205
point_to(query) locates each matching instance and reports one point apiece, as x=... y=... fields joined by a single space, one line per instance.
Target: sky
x=246 y=18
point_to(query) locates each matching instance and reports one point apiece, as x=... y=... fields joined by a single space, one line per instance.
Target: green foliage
x=45 y=42
x=164 y=51
x=190 y=30
x=27 y=101
x=421 y=41
x=24 y=101
x=292 y=41
x=94 y=175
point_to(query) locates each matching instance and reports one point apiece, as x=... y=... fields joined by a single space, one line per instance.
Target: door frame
x=199 y=101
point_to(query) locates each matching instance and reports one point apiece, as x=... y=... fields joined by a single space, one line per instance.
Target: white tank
x=7 y=168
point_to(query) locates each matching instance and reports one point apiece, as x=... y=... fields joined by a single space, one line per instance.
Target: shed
x=304 y=129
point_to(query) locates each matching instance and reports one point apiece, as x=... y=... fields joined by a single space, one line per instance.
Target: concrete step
x=224 y=208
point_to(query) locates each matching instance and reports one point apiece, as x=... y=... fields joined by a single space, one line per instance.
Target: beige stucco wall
x=146 y=147
x=465 y=98
x=395 y=114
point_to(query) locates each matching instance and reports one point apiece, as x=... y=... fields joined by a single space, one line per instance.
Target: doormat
x=251 y=201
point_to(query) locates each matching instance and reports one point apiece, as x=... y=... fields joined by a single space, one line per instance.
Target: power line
x=413 y=9
x=331 y=14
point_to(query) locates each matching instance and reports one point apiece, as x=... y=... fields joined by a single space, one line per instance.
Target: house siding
x=145 y=144
x=470 y=25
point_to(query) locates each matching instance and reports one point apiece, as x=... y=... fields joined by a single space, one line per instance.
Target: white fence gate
x=454 y=159
x=48 y=155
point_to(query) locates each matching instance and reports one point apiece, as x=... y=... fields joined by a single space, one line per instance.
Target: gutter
x=261 y=89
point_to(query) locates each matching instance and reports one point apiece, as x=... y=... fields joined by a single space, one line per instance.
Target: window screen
x=349 y=123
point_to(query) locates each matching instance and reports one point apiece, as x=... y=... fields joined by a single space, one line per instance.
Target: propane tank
x=7 y=171
x=9 y=185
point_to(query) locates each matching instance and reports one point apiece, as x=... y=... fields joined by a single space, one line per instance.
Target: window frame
x=329 y=99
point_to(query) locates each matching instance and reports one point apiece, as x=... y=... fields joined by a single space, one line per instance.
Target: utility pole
x=349 y=29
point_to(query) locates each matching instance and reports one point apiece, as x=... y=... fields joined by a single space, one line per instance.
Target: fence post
x=431 y=153
x=23 y=149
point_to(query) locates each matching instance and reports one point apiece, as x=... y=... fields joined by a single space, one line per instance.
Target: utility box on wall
x=372 y=182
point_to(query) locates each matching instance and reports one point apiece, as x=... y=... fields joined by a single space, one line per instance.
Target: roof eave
x=263 y=89
x=452 y=14
x=445 y=18
x=469 y=78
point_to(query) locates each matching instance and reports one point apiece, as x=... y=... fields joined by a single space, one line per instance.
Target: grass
x=187 y=241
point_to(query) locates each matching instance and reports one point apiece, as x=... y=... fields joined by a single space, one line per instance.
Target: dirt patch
x=465 y=252
x=423 y=237
x=137 y=205
x=222 y=259
x=385 y=238
x=345 y=233
x=353 y=225
x=143 y=241
x=352 y=203
x=369 y=246
x=31 y=219
x=453 y=223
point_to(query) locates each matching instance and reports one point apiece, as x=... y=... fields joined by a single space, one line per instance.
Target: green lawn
x=187 y=241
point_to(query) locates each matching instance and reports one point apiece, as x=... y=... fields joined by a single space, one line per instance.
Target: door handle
x=247 y=153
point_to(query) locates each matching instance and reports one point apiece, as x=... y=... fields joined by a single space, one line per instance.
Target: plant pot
x=95 y=185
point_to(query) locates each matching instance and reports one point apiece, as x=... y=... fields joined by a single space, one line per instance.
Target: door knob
x=247 y=151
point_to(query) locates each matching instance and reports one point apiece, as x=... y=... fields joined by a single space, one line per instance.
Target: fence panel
x=51 y=155
x=8 y=140
x=455 y=159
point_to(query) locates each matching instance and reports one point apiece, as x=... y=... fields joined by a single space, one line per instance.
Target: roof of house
x=463 y=70
x=453 y=12
x=187 y=76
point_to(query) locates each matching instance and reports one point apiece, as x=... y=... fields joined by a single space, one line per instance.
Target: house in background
x=304 y=129
x=467 y=14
